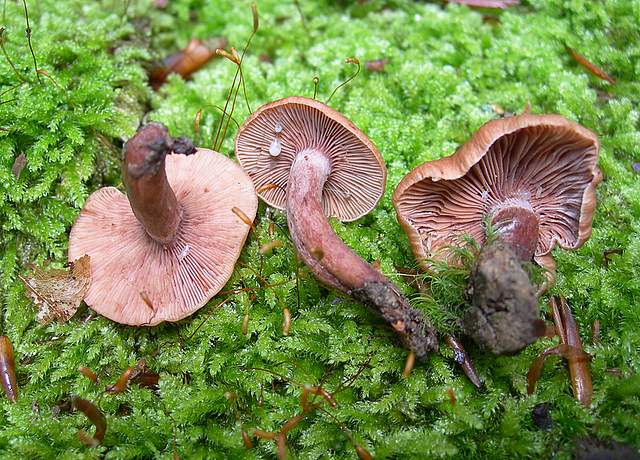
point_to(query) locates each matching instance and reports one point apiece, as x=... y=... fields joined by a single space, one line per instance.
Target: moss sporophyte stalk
x=449 y=69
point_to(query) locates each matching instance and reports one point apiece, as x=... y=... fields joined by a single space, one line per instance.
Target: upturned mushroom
x=307 y=158
x=163 y=250
x=533 y=177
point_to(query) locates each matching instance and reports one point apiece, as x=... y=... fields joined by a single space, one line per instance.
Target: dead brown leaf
x=376 y=65
x=187 y=61
x=590 y=66
x=58 y=292
x=18 y=165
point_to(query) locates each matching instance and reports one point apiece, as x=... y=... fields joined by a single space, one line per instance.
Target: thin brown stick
x=350 y=60
x=6 y=55
x=462 y=358
x=286 y=322
x=301 y=13
x=249 y=289
x=8 y=369
x=595 y=332
x=408 y=366
x=578 y=364
x=88 y=373
x=349 y=382
x=557 y=320
x=570 y=348
x=215 y=309
x=28 y=31
x=95 y=416
x=14 y=87
x=254 y=11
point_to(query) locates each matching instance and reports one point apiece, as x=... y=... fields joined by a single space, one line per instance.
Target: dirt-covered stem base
x=503 y=317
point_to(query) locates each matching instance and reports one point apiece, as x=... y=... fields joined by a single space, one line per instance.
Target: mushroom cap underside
x=269 y=140
x=544 y=163
x=138 y=281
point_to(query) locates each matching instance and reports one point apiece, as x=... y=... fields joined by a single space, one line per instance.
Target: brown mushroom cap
x=288 y=126
x=136 y=280
x=544 y=163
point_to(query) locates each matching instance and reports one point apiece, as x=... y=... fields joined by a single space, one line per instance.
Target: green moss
x=447 y=67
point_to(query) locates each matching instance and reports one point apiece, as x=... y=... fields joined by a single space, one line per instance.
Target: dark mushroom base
x=415 y=331
x=504 y=315
x=604 y=449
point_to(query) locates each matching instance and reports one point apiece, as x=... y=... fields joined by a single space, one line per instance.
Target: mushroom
x=163 y=250
x=533 y=177
x=307 y=158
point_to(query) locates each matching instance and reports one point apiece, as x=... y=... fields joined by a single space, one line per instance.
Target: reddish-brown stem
x=246 y=440
x=264 y=434
x=88 y=373
x=8 y=369
x=95 y=416
x=578 y=365
x=570 y=347
x=294 y=421
x=152 y=199
x=461 y=357
x=595 y=332
x=281 y=446
x=408 y=365
x=335 y=264
x=518 y=227
x=590 y=66
x=318 y=391
x=452 y=396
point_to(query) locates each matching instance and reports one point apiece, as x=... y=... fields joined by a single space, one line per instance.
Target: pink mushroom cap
x=270 y=139
x=138 y=281
x=544 y=164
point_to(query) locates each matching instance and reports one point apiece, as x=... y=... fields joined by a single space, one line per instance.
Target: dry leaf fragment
x=8 y=369
x=18 y=165
x=590 y=66
x=58 y=292
x=187 y=61
x=376 y=65
x=139 y=374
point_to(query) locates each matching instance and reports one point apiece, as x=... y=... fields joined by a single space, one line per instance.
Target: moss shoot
x=229 y=368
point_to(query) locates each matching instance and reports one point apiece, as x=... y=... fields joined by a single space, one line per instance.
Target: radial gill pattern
x=548 y=168
x=136 y=280
x=271 y=138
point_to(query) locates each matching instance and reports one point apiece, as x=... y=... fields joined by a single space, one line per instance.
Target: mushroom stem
x=152 y=199
x=337 y=265
x=504 y=316
x=518 y=227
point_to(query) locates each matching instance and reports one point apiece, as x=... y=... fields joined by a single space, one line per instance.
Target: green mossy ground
x=447 y=68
